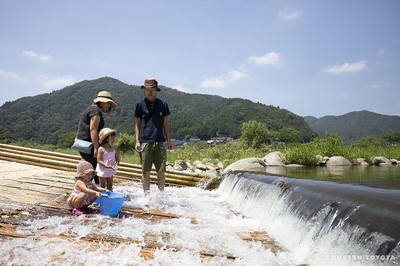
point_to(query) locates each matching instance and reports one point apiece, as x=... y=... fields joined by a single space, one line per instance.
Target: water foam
x=312 y=241
x=205 y=225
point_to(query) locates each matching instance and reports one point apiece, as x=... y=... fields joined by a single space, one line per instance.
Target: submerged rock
x=210 y=183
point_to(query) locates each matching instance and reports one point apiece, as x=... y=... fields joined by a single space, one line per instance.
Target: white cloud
x=222 y=81
x=41 y=58
x=181 y=88
x=288 y=15
x=346 y=67
x=271 y=58
x=380 y=85
x=376 y=86
x=10 y=75
x=381 y=51
x=55 y=83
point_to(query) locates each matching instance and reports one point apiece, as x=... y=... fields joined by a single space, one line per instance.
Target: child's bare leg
x=77 y=202
x=92 y=198
x=102 y=181
x=110 y=183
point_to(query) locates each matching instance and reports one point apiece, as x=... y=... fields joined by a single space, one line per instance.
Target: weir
x=317 y=219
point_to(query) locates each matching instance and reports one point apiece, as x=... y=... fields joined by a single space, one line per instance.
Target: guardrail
x=68 y=162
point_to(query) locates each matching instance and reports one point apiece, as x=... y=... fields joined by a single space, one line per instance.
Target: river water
x=374 y=176
x=315 y=222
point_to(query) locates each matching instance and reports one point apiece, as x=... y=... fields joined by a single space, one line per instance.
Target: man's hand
x=138 y=147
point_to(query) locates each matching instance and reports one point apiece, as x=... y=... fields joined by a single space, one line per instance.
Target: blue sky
x=314 y=57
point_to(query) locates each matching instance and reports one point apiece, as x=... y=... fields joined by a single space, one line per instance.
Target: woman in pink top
x=107 y=158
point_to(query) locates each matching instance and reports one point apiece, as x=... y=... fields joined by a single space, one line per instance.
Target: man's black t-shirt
x=152 y=117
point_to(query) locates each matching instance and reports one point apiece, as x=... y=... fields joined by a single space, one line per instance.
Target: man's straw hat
x=150 y=83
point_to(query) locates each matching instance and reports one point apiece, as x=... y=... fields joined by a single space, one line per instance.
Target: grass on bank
x=227 y=153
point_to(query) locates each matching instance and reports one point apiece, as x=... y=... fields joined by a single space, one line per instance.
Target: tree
x=368 y=142
x=391 y=136
x=289 y=135
x=66 y=139
x=254 y=134
x=6 y=135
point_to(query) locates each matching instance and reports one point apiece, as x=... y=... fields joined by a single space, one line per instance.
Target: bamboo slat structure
x=68 y=162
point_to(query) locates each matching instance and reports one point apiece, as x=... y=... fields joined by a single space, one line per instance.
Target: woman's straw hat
x=105 y=97
x=104 y=133
x=83 y=168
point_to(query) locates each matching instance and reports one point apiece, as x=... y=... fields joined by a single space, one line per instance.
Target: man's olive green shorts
x=154 y=153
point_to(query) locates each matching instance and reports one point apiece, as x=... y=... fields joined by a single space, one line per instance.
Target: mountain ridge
x=354 y=125
x=45 y=117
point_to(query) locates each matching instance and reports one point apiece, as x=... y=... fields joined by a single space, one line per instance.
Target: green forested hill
x=45 y=117
x=355 y=125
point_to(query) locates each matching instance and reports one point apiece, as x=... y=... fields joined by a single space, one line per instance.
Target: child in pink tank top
x=107 y=158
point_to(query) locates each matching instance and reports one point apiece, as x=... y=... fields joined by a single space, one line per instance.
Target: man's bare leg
x=146 y=182
x=161 y=180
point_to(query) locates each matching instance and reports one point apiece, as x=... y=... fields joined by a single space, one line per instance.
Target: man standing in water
x=152 y=133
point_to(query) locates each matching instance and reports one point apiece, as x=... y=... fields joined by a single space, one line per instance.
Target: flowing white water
x=310 y=241
x=215 y=231
x=209 y=222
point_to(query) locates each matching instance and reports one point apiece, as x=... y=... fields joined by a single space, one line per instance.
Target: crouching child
x=85 y=192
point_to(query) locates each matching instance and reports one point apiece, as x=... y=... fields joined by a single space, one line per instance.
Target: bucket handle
x=104 y=194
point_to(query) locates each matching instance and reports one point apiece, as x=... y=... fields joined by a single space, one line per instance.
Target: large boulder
x=338 y=161
x=360 y=162
x=275 y=158
x=180 y=165
x=380 y=160
x=246 y=164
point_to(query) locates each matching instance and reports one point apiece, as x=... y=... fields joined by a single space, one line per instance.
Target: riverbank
x=307 y=154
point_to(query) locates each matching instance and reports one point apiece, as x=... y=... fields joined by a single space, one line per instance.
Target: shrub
x=301 y=154
x=66 y=139
x=125 y=142
x=368 y=142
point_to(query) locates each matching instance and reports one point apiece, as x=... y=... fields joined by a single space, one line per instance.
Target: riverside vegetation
x=255 y=142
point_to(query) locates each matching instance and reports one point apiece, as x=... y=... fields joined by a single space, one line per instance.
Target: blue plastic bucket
x=111 y=203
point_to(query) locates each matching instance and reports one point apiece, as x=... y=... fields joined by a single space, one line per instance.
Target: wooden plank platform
x=30 y=192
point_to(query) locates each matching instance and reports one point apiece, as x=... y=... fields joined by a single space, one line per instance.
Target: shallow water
x=214 y=231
